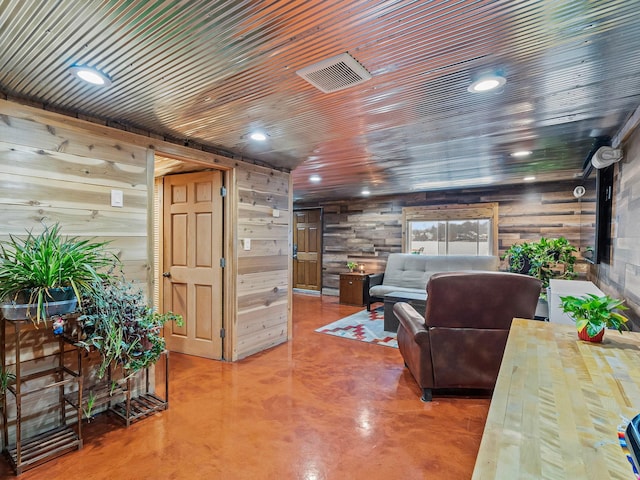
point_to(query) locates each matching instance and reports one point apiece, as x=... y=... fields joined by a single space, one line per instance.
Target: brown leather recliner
x=462 y=340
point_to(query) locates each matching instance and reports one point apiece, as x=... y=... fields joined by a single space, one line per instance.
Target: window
x=450 y=230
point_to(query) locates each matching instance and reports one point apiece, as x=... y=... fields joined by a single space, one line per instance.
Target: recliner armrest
x=375 y=279
x=412 y=322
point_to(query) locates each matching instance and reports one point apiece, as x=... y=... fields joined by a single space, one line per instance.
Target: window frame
x=467 y=211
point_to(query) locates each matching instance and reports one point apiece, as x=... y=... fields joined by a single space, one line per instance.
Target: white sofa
x=406 y=272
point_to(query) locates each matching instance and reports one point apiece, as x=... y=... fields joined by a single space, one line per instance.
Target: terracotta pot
x=583 y=335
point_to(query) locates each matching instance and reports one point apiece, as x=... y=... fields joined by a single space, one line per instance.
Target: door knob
x=166 y=274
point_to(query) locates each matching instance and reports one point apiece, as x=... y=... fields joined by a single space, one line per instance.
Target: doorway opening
x=189 y=254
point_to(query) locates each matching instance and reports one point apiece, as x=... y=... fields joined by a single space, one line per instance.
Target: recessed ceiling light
x=521 y=153
x=486 y=83
x=258 y=136
x=91 y=75
x=366 y=192
x=315 y=178
x=529 y=179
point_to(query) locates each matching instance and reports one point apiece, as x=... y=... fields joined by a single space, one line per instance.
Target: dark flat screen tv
x=596 y=236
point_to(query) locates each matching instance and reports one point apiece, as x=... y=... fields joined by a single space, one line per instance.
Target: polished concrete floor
x=317 y=408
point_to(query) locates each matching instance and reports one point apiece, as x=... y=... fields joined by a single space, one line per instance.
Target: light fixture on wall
x=366 y=192
x=91 y=75
x=487 y=82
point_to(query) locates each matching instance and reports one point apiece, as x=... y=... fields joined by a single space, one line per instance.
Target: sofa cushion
x=382 y=290
x=413 y=271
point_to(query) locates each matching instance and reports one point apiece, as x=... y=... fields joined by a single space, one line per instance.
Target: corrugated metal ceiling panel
x=211 y=71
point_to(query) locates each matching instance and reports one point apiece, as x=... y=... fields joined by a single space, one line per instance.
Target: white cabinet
x=562 y=288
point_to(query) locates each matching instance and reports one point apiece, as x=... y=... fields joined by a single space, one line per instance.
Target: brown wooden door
x=307 y=241
x=192 y=283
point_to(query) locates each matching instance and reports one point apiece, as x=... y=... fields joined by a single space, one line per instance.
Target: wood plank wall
x=263 y=280
x=261 y=274
x=367 y=230
x=621 y=278
x=56 y=168
x=54 y=172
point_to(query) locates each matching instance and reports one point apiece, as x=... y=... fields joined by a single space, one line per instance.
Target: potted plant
x=118 y=322
x=544 y=259
x=42 y=274
x=87 y=409
x=6 y=379
x=593 y=314
x=352 y=266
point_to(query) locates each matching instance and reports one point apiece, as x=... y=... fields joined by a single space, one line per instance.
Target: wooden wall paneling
x=620 y=277
x=263 y=326
x=96 y=128
x=150 y=226
x=158 y=241
x=34 y=161
x=75 y=142
x=67 y=167
x=525 y=213
x=263 y=310
x=266 y=246
x=261 y=297
x=262 y=281
x=38 y=190
x=75 y=221
x=60 y=173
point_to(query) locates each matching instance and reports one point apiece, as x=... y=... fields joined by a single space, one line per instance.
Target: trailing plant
x=122 y=327
x=544 y=259
x=31 y=267
x=595 y=313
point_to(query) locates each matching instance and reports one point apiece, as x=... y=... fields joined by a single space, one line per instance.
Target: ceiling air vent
x=335 y=73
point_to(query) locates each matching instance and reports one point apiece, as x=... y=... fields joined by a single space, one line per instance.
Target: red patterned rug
x=363 y=326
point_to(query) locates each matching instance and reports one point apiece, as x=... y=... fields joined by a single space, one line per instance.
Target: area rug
x=363 y=326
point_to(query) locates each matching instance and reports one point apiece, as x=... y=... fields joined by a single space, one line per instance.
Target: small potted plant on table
x=593 y=314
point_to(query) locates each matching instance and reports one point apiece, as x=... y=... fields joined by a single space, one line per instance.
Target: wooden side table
x=354 y=288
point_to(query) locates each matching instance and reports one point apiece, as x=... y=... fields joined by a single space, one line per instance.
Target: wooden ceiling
x=210 y=72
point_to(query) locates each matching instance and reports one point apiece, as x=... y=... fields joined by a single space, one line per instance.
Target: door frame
x=229 y=274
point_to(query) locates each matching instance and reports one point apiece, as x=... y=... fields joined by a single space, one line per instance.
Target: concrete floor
x=317 y=408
